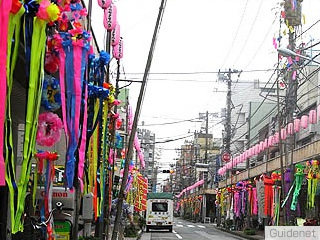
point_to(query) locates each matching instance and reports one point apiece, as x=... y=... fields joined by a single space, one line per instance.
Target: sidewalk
x=258 y=236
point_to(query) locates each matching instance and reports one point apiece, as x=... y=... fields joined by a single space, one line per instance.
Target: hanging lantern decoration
x=110 y=17
x=115 y=35
x=296 y=125
x=104 y=4
x=284 y=133
x=276 y=138
x=270 y=141
x=312 y=116
x=265 y=143
x=118 y=50
x=290 y=128
x=304 y=121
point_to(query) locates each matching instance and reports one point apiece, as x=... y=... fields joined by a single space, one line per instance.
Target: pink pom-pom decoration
x=49 y=129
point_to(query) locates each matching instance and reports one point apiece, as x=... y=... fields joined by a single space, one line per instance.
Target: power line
x=168 y=123
x=200 y=72
x=250 y=32
x=236 y=35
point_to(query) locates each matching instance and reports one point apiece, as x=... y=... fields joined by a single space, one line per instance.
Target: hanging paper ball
x=49 y=129
x=51 y=97
x=48 y=11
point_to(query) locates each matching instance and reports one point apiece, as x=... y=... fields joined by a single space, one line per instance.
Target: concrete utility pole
x=293 y=20
x=135 y=123
x=228 y=112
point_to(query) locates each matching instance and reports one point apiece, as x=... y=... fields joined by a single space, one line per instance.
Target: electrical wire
x=169 y=123
x=248 y=35
x=236 y=34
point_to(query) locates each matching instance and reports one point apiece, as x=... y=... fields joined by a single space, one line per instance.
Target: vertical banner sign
x=141 y=198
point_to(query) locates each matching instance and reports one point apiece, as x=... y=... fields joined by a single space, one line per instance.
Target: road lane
x=189 y=231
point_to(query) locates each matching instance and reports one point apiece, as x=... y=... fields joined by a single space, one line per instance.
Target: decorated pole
x=135 y=123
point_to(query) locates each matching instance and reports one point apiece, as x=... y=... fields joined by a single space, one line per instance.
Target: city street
x=190 y=231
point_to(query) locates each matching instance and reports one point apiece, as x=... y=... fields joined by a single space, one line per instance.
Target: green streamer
x=299 y=176
x=13 y=36
x=33 y=106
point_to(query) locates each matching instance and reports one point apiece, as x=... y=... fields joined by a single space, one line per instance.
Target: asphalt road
x=189 y=231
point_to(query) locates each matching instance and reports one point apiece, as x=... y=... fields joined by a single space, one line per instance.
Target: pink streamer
x=77 y=58
x=5 y=7
x=111 y=156
x=294 y=75
x=255 y=201
x=62 y=57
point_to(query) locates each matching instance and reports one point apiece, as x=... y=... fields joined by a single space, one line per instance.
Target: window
x=159 y=207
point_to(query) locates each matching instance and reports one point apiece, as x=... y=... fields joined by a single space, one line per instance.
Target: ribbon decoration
x=5 y=7
x=48 y=12
x=97 y=130
x=13 y=37
x=299 y=175
x=312 y=179
x=49 y=158
x=73 y=48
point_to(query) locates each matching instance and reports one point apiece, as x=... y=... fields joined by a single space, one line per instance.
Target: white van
x=159 y=213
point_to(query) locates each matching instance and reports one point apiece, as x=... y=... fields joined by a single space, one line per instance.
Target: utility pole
x=293 y=20
x=227 y=140
x=135 y=123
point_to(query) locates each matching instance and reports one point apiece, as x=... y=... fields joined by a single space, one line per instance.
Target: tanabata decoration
x=51 y=97
x=49 y=129
x=51 y=64
x=313 y=176
x=5 y=7
x=299 y=176
x=17 y=11
x=36 y=19
x=73 y=47
x=268 y=194
x=48 y=158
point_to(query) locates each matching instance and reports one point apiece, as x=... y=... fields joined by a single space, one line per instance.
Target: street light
x=289 y=53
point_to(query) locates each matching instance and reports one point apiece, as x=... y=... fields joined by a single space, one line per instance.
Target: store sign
x=141 y=199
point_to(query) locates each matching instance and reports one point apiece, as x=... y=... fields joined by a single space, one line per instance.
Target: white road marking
x=180 y=222
x=174 y=231
x=190 y=225
x=200 y=226
x=178 y=236
x=179 y=225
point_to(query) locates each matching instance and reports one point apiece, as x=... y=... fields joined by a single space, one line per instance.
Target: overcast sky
x=196 y=39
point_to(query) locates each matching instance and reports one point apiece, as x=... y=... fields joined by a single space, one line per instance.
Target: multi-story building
x=147 y=141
